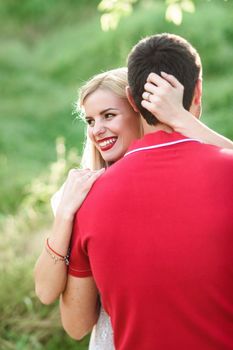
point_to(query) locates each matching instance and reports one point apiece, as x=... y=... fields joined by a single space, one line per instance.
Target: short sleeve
x=79 y=265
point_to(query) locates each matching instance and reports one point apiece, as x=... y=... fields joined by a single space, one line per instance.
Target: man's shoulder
x=218 y=153
x=116 y=172
x=107 y=192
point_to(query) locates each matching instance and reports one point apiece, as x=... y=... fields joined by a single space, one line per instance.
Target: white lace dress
x=102 y=333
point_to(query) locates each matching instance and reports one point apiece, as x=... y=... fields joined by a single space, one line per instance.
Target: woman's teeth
x=107 y=142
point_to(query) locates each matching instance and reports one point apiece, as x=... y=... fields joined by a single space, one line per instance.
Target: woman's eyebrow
x=104 y=111
x=108 y=109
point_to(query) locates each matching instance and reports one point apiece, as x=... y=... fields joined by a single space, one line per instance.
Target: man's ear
x=196 y=107
x=130 y=99
x=198 y=92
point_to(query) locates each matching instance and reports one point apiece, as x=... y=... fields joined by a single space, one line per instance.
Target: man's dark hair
x=163 y=53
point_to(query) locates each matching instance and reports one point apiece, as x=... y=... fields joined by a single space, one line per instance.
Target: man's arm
x=79 y=306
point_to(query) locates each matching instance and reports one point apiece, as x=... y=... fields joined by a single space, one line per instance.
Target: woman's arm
x=51 y=275
x=79 y=306
x=194 y=128
x=165 y=103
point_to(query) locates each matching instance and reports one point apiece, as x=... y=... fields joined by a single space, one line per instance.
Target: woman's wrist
x=65 y=214
x=59 y=244
x=186 y=124
x=61 y=232
x=55 y=255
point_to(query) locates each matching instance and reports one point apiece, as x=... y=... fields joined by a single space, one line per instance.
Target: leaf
x=106 y=5
x=188 y=6
x=109 y=21
x=174 y=14
x=114 y=10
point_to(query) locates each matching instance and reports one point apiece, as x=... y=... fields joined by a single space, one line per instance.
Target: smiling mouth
x=107 y=143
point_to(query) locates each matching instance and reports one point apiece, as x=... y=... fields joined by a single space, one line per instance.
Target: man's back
x=157 y=229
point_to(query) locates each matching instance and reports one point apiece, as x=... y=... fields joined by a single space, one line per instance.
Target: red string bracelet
x=62 y=257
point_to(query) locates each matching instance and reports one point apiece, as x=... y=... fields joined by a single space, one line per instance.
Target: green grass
x=25 y=323
x=48 y=48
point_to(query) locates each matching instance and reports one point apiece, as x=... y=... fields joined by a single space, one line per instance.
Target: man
x=156 y=232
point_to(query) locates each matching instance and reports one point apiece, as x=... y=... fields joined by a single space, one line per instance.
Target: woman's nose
x=99 y=129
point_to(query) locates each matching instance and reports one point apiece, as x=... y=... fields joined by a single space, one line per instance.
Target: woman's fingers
x=157 y=80
x=77 y=172
x=150 y=88
x=94 y=175
x=79 y=177
x=164 y=80
x=163 y=92
x=146 y=96
x=78 y=184
x=148 y=105
x=172 y=80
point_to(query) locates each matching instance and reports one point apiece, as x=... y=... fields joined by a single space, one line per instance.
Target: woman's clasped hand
x=76 y=188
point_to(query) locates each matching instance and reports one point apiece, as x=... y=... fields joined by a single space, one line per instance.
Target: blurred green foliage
x=114 y=10
x=47 y=49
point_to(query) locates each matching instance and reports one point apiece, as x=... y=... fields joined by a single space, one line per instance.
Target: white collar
x=160 y=145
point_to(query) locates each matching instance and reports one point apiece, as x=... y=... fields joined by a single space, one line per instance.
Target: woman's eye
x=109 y=115
x=90 y=122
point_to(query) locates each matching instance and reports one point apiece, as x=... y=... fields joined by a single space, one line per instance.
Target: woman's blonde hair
x=114 y=80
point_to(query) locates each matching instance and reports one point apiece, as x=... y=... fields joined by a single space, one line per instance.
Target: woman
x=112 y=126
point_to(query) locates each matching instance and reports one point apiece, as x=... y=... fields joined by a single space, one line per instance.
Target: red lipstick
x=107 y=143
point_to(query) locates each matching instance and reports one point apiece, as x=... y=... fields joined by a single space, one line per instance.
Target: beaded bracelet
x=56 y=256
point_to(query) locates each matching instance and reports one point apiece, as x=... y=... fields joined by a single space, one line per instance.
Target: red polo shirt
x=156 y=233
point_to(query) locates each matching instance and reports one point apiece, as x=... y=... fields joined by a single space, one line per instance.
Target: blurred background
x=48 y=48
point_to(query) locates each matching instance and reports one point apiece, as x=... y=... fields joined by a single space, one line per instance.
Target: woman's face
x=112 y=123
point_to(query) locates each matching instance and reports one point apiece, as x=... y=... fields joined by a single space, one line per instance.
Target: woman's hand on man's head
x=163 y=97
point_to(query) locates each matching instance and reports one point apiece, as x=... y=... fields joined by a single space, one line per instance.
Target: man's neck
x=147 y=129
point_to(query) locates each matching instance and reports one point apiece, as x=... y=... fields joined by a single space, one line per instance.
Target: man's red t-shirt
x=156 y=233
